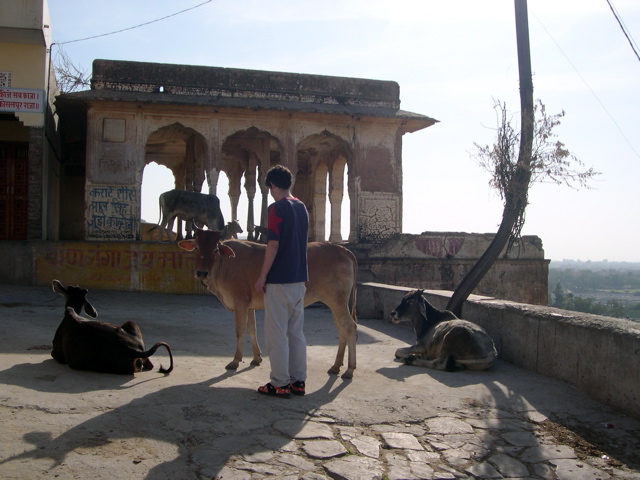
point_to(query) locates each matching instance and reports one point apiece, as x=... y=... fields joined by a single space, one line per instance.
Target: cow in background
x=191 y=207
x=260 y=234
x=148 y=232
x=230 y=270
x=231 y=230
x=86 y=344
x=444 y=342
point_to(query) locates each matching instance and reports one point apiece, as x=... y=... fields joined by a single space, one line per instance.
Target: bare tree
x=70 y=77
x=518 y=159
x=551 y=162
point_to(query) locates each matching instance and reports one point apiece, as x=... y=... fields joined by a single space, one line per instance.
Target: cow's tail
x=152 y=350
x=354 y=289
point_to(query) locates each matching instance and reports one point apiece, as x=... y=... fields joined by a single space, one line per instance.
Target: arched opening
x=247 y=155
x=156 y=179
x=183 y=153
x=225 y=202
x=323 y=162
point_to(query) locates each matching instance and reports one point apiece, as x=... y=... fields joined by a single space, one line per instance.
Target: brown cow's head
x=207 y=244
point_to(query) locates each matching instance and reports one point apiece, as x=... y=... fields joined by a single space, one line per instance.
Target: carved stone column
x=212 y=181
x=264 y=157
x=250 y=188
x=234 y=191
x=320 y=203
x=335 y=198
x=353 y=209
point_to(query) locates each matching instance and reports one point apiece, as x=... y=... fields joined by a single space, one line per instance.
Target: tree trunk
x=515 y=200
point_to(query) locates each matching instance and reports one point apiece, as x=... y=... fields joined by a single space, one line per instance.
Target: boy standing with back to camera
x=282 y=281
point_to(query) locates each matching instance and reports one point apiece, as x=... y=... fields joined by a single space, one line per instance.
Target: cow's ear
x=59 y=288
x=423 y=307
x=89 y=310
x=188 y=245
x=227 y=252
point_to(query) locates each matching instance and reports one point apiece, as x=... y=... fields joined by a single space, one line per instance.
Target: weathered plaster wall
x=117 y=136
x=164 y=267
x=123 y=266
x=439 y=261
x=127 y=266
x=360 y=120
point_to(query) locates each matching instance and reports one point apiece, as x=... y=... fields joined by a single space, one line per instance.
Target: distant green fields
x=602 y=288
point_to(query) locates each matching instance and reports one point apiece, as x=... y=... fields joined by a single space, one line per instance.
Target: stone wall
x=122 y=266
x=439 y=261
x=36 y=171
x=598 y=355
x=201 y=121
x=164 y=267
x=243 y=84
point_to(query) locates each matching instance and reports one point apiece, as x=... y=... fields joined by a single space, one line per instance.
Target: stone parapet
x=440 y=260
x=240 y=83
x=598 y=355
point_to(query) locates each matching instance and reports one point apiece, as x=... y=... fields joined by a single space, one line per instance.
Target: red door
x=14 y=183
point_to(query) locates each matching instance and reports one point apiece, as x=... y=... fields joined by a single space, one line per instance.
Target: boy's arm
x=269 y=257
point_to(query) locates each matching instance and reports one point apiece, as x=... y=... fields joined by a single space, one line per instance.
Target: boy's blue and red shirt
x=288 y=223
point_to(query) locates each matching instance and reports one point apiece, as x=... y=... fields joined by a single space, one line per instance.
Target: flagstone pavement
x=390 y=421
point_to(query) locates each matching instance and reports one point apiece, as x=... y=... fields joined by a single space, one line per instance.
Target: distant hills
x=593 y=265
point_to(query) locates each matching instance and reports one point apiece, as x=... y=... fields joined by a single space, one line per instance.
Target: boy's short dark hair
x=280 y=176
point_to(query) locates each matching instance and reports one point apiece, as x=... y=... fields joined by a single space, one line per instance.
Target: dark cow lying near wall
x=444 y=342
x=191 y=207
x=230 y=270
x=86 y=344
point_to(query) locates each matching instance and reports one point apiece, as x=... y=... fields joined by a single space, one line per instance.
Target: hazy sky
x=452 y=59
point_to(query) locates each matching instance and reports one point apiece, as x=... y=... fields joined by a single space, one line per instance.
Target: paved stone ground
x=202 y=422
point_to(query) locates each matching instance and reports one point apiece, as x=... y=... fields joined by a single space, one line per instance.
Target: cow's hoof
x=348 y=375
x=333 y=371
x=409 y=360
x=402 y=353
x=232 y=366
x=256 y=362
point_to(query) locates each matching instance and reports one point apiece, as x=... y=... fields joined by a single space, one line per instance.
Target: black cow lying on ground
x=444 y=342
x=86 y=344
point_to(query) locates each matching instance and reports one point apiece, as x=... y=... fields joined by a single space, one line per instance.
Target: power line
x=590 y=89
x=624 y=30
x=136 y=26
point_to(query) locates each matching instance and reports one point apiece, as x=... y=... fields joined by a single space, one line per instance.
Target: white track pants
x=283 y=332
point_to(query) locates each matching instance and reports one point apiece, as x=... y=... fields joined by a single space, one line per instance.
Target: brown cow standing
x=101 y=347
x=230 y=270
